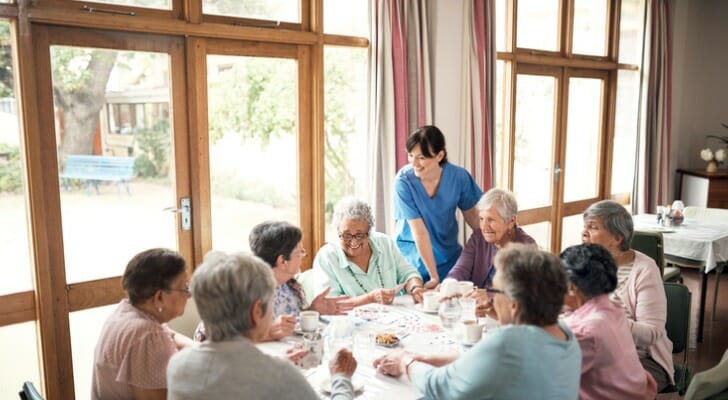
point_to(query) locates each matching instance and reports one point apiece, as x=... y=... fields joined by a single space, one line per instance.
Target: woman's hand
x=391 y=363
x=417 y=294
x=432 y=283
x=382 y=296
x=283 y=326
x=343 y=363
x=483 y=304
x=296 y=353
x=331 y=305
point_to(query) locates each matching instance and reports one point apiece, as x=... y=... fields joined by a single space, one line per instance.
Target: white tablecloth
x=694 y=239
x=419 y=331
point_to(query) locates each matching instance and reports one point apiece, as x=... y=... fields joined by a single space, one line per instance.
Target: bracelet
x=407 y=365
x=413 y=287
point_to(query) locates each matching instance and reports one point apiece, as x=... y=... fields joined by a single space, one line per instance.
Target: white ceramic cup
x=309 y=321
x=449 y=287
x=465 y=287
x=472 y=331
x=430 y=301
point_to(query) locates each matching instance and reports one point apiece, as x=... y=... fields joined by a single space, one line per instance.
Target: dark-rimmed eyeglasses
x=347 y=236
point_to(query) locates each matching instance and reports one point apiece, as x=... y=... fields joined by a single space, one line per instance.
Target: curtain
x=653 y=183
x=478 y=83
x=400 y=94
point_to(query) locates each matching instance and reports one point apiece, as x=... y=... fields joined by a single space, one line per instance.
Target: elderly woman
x=365 y=265
x=639 y=287
x=234 y=295
x=497 y=211
x=427 y=194
x=610 y=367
x=135 y=345
x=280 y=245
x=531 y=356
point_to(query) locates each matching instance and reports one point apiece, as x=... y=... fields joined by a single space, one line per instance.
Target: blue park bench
x=94 y=169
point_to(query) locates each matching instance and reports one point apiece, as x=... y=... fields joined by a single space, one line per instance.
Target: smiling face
x=354 y=237
x=494 y=227
x=422 y=165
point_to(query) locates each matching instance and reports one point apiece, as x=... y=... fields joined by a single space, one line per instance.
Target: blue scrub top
x=457 y=190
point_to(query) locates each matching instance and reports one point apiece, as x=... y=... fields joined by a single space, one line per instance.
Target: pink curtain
x=478 y=89
x=655 y=166
x=400 y=93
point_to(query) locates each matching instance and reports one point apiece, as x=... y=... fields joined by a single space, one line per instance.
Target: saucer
x=420 y=308
x=325 y=385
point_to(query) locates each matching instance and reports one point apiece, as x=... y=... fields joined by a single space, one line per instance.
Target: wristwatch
x=413 y=287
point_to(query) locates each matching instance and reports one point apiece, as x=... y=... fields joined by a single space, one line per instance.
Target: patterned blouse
x=289 y=299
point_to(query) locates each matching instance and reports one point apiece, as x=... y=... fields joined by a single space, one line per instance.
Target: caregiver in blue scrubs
x=427 y=193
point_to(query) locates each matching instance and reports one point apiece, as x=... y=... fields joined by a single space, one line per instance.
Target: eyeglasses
x=186 y=290
x=492 y=290
x=347 y=236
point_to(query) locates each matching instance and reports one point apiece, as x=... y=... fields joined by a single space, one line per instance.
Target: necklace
x=379 y=275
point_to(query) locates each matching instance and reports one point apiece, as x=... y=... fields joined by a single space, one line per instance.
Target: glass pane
x=349 y=17
x=273 y=10
x=540 y=232
x=535 y=105
x=115 y=156
x=345 y=125
x=85 y=330
x=538 y=24
x=625 y=131
x=583 y=130
x=14 y=235
x=252 y=116
x=590 y=27
x=500 y=24
x=631 y=26
x=571 y=228
x=19 y=347
x=163 y=4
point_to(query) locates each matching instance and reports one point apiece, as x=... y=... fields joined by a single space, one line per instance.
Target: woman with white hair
x=497 y=211
x=364 y=265
x=234 y=296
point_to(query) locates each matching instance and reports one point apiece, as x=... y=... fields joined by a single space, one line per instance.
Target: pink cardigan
x=609 y=367
x=644 y=294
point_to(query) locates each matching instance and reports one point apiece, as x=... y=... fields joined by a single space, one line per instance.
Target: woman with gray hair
x=234 y=296
x=497 y=211
x=639 y=287
x=531 y=356
x=610 y=367
x=365 y=265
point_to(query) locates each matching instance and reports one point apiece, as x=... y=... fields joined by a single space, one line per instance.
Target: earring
x=159 y=309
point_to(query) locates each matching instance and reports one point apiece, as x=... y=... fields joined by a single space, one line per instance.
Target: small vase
x=712 y=166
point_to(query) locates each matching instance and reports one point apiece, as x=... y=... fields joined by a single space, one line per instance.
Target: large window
x=160 y=123
x=567 y=91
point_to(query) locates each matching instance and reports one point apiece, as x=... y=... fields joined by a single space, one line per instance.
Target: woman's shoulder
x=644 y=265
x=523 y=237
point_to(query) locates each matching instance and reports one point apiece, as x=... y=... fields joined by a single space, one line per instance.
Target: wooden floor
x=705 y=355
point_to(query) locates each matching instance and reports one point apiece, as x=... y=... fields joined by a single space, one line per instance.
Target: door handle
x=185 y=212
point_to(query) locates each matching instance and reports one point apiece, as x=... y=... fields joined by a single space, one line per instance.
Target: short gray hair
x=503 y=200
x=352 y=208
x=224 y=288
x=615 y=218
x=534 y=279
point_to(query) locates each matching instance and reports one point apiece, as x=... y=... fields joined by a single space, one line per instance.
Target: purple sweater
x=476 y=260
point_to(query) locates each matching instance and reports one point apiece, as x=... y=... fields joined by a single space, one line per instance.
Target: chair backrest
x=709 y=382
x=717 y=215
x=650 y=243
x=29 y=392
x=677 y=324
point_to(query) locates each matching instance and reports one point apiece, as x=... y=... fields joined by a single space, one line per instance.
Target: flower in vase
x=720 y=155
x=706 y=154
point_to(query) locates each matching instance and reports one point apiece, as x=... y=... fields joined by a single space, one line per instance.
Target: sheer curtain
x=653 y=183
x=400 y=93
